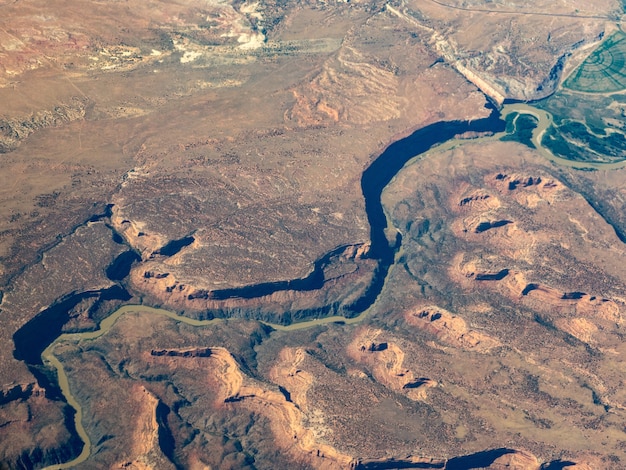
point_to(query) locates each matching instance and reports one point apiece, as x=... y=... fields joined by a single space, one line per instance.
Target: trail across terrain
x=533 y=13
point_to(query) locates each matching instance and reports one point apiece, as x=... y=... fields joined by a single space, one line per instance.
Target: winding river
x=50 y=360
x=438 y=137
x=545 y=120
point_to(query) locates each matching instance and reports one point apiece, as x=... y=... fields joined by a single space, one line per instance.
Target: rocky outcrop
x=13 y=130
x=580 y=314
x=337 y=281
x=496 y=459
x=329 y=97
x=233 y=389
x=518 y=459
x=34 y=432
x=385 y=360
x=527 y=190
x=144 y=451
x=450 y=329
x=288 y=373
x=191 y=352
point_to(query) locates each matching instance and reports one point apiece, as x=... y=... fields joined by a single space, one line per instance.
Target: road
x=510 y=12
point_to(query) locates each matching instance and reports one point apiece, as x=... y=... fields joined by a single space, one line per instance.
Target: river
x=438 y=137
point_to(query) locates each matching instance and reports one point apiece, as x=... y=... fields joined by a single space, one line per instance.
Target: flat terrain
x=588 y=111
x=207 y=159
x=603 y=70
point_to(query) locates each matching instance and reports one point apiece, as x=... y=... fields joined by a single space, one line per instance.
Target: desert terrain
x=216 y=249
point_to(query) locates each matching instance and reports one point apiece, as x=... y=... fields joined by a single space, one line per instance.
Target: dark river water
x=382 y=170
x=43 y=329
x=375 y=178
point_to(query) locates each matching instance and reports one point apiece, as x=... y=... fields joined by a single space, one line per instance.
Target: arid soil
x=543 y=294
x=207 y=158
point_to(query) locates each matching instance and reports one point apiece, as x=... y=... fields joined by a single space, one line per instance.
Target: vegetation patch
x=586 y=127
x=519 y=128
x=574 y=141
x=603 y=71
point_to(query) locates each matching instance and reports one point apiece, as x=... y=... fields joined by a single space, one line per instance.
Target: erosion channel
x=383 y=250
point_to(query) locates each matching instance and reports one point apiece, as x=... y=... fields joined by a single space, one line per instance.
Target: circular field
x=604 y=70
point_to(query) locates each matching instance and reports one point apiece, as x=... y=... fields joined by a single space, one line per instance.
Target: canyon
x=332 y=302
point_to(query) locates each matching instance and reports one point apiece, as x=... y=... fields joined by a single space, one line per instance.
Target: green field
x=603 y=71
x=589 y=111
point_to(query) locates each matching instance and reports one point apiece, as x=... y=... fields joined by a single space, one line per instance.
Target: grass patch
x=603 y=71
